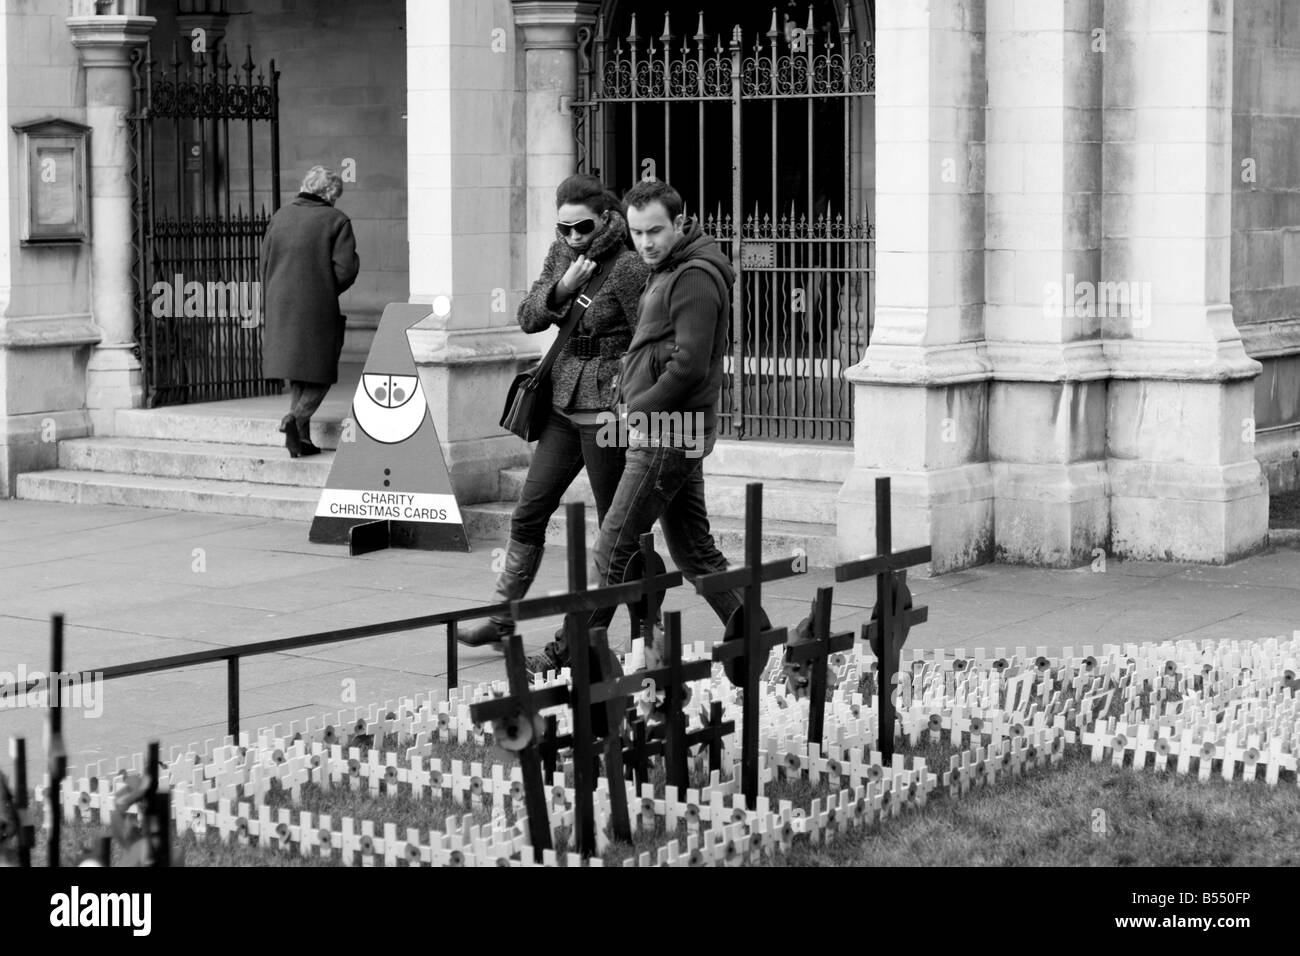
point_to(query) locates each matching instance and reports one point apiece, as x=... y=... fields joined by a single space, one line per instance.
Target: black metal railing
x=451 y=620
x=233 y=655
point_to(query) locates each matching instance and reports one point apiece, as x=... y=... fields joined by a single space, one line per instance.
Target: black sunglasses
x=581 y=227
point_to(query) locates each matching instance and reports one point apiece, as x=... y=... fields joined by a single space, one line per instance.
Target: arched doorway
x=761 y=117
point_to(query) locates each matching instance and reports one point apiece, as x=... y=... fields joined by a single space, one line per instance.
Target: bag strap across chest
x=577 y=306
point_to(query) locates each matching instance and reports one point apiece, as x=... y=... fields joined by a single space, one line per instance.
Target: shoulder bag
x=528 y=401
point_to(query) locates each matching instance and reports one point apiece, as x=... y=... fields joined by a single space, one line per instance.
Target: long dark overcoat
x=309 y=258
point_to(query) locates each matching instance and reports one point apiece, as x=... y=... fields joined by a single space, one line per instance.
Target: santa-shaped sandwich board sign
x=389 y=486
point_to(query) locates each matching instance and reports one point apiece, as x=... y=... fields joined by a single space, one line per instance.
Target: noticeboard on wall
x=54 y=181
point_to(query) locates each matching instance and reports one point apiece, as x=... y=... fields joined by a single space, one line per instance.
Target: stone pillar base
x=1047 y=440
x=1174 y=511
x=921 y=420
x=465 y=376
x=31 y=443
x=1050 y=515
x=951 y=510
x=1185 y=483
x=114 y=380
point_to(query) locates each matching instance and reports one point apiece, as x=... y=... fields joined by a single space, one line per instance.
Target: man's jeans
x=562 y=450
x=665 y=485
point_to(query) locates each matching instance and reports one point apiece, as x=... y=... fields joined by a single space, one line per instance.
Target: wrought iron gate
x=800 y=237
x=195 y=248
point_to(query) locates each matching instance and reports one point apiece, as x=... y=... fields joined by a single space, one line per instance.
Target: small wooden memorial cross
x=673 y=676
x=157 y=811
x=888 y=634
x=711 y=734
x=551 y=744
x=744 y=659
x=615 y=706
x=817 y=652
x=576 y=606
x=20 y=812
x=637 y=753
x=515 y=724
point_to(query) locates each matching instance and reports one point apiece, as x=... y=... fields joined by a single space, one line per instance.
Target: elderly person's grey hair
x=322 y=182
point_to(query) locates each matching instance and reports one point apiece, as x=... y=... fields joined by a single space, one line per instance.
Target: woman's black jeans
x=561 y=453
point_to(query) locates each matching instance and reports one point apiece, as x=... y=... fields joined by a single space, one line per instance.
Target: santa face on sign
x=389 y=408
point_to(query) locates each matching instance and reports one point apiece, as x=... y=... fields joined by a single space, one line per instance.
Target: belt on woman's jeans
x=596 y=346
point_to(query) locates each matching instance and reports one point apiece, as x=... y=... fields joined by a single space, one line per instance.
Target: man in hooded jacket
x=667 y=399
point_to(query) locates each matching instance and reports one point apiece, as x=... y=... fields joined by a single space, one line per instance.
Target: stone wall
x=1266 y=222
x=45 y=320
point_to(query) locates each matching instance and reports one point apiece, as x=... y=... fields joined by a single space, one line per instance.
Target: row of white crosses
x=1228 y=702
x=1116 y=744
x=1009 y=711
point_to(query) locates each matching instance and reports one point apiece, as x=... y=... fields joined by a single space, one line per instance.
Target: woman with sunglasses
x=591 y=235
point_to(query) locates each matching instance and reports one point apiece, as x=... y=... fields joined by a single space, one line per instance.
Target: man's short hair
x=654 y=190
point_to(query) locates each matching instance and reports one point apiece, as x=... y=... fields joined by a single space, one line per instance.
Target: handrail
x=232 y=655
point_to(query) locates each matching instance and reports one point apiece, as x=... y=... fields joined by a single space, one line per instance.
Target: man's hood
x=697 y=244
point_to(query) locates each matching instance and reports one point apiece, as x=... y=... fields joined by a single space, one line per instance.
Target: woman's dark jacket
x=309 y=258
x=583 y=376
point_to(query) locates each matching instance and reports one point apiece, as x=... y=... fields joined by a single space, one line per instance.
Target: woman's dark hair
x=583 y=189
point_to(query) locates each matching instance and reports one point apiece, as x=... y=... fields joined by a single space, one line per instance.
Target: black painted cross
x=711 y=734
x=156 y=812
x=745 y=658
x=590 y=670
x=58 y=759
x=19 y=813
x=637 y=753
x=892 y=616
x=672 y=675
x=514 y=721
x=815 y=651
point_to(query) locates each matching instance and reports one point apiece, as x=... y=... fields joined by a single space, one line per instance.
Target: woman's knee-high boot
x=513 y=582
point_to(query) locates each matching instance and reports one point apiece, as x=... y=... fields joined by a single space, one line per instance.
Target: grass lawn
x=1046 y=818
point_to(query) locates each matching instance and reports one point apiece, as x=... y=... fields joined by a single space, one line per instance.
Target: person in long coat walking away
x=309 y=258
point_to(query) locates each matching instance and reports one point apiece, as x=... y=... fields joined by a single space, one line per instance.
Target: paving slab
x=78 y=601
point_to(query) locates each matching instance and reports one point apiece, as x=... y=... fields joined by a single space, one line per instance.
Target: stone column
x=921 y=389
x=1185 y=482
x=474 y=160
x=550 y=30
x=1047 y=400
x=113 y=376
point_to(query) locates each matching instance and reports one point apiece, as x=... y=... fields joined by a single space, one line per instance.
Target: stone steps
x=247 y=428
x=229 y=458
x=204 y=460
x=253 y=499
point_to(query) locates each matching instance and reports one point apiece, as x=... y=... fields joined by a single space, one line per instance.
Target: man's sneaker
x=551 y=658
